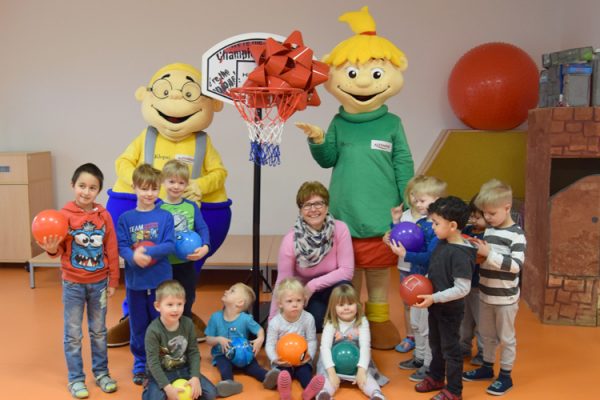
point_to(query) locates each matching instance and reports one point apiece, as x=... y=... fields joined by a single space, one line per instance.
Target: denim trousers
x=153 y=392
x=75 y=298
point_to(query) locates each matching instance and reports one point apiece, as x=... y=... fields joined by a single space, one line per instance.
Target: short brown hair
x=146 y=175
x=309 y=189
x=177 y=169
x=493 y=193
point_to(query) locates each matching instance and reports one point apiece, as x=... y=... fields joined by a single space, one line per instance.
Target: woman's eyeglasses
x=317 y=205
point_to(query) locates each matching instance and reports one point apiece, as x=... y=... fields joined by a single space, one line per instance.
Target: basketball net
x=265 y=110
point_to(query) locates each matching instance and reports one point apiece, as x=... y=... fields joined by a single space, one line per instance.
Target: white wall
x=69 y=69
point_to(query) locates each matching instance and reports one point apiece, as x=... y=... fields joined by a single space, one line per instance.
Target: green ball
x=345 y=356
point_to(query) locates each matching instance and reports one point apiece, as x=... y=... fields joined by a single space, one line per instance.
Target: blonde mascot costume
x=177 y=114
x=367 y=149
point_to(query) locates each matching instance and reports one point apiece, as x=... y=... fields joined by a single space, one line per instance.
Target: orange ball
x=493 y=86
x=414 y=285
x=292 y=348
x=49 y=223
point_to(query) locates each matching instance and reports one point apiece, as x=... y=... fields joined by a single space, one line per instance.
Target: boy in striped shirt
x=503 y=246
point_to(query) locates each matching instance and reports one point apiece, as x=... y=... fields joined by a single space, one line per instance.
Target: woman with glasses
x=317 y=251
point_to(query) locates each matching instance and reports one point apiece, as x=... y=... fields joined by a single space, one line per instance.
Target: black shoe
x=139 y=378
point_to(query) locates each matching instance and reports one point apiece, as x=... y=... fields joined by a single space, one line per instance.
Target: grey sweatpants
x=497 y=327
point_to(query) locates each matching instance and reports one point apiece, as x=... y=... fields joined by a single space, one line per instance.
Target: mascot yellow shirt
x=213 y=173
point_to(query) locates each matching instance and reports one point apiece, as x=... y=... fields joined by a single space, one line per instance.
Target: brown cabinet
x=25 y=189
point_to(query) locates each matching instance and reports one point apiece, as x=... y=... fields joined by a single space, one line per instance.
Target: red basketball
x=414 y=285
x=49 y=223
x=493 y=86
x=292 y=348
x=145 y=243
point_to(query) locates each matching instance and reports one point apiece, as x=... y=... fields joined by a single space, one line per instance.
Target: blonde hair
x=169 y=288
x=493 y=193
x=248 y=293
x=365 y=44
x=175 y=168
x=343 y=294
x=192 y=71
x=429 y=185
x=146 y=175
x=291 y=284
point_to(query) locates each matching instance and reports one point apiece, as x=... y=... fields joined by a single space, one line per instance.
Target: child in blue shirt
x=234 y=322
x=425 y=191
x=146 y=238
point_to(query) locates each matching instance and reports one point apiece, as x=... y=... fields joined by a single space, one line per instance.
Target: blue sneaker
x=479 y=374
x=500 y=386
x=407 y=344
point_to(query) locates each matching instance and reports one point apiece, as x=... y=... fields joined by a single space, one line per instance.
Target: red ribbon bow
x=288 y=65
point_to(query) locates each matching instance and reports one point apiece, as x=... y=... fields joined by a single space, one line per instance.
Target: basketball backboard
x=227 y=64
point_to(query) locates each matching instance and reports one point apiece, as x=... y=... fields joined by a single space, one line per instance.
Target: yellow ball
x=183 y=384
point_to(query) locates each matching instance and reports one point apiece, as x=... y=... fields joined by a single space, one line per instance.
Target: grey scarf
x=311 y=246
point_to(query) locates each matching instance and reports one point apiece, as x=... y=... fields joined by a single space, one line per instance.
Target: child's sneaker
x=501 y=385
x=477 y=360
x=78 y=390
x=429 y=385
x=419 y=374
x=139 y=378
x=407 y=344
x=413 y=363
x=270 y=381
x=377 y=395
x=323 y=395
x=228 y=388
x=284 y=385
x=106 y=383
x=479 y=374
x=314 y=387
x=446 y=395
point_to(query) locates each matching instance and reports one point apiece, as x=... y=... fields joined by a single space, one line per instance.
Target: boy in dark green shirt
x=171 y=349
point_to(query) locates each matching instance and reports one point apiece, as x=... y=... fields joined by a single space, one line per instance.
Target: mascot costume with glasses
x=367 y=149
x=177 y=114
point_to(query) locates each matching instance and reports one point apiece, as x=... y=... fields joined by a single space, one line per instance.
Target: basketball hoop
x=265 y=110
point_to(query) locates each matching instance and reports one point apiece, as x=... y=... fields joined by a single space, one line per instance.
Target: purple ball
x=409 y=234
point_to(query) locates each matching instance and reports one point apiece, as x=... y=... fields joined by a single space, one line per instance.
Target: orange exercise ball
x=292 y=348
x=493 y=86
x=49 y=223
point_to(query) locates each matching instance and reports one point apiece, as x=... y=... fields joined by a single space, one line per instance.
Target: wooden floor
x=553 y=362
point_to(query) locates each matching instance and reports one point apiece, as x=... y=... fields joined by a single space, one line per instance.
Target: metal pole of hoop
x=265 y=111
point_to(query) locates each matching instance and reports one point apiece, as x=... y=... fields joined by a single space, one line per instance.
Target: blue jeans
x=226 y=368
x=75 y=298
x=153 y=392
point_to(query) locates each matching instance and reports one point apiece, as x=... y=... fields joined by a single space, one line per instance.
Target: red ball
x=49 y=223
x=145 y=243
x=493 y=86
x=292 y=348
x=414 y=285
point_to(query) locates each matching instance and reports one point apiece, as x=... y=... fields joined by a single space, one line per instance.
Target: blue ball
x=186 y=243
x=240 y=352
